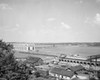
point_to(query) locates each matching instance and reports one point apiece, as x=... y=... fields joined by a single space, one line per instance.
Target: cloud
x=16 y=28
x=3 y=28
x=93 y=21
x=10 y=28
x=79 y=2
x=17 y=25
x=4 y=6
x=51 y=19
x=97 y=0
x=97 y=19
x=65 y=25
x=87 y=20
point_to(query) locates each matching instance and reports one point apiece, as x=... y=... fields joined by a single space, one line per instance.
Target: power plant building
x=21 y=46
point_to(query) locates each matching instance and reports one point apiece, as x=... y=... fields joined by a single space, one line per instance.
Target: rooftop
x=62 y=72
x=76 y=68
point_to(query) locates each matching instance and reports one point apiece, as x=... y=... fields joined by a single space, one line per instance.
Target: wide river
x=82 y=51
x=68 y=50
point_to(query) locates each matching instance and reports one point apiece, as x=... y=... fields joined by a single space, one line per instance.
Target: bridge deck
x=94 y=57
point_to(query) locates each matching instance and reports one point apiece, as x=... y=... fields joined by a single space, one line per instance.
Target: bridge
x=94 y=58
x=80 y=61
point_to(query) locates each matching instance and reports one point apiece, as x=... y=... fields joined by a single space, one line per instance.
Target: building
x=34 y=61
x=60 y=73
x=22 y=46
x=69 y=73
x=76 y=68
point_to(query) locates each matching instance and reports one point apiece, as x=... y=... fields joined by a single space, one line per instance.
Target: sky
x=50 y=20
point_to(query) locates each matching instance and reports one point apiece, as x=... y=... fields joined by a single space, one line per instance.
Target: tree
x=9 y=67
x=37 y=74
x=92 y=78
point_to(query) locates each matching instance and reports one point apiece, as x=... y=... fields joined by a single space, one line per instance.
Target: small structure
x=43 y=73
x=77 y=68
x=60 y=73
x=42 y=67
x=62 y=56
x=80 y=77
x=34 y=61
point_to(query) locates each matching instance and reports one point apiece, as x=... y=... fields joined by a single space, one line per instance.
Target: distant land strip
x=94 y=44
x=34 y=53
x=88 y=44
